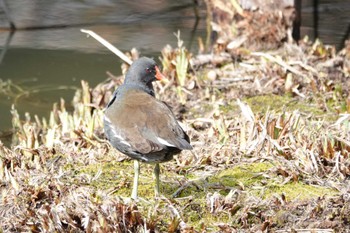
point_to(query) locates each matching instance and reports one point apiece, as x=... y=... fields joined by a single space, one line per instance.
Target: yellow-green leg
x=156 y=174
x=136 y=179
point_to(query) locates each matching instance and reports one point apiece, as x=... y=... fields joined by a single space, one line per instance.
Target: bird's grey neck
x=148 y=88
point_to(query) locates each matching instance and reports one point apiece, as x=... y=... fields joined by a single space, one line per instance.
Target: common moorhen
x=139 y=125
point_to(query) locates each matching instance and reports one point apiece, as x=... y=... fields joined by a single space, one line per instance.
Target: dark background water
x=51 y=62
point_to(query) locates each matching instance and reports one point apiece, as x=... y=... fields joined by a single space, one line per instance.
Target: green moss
x=107 y=176
x=117 y=177
x=286 y=102
x=229 y=108
x=298 y=190
x=244 y=175
x=279 y=103
x=257 y=179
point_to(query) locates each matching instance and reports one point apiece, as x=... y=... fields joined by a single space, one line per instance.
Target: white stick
x=108 y=45
x=279 y=62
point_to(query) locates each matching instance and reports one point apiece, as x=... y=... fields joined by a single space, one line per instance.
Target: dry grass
x=280 y=162
x=41 y=190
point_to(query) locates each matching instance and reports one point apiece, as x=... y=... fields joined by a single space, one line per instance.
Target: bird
x=139 y=125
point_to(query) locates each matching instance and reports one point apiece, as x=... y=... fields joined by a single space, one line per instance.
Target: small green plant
x=181 y=61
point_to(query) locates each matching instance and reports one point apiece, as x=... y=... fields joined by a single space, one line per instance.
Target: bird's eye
x=148 y=70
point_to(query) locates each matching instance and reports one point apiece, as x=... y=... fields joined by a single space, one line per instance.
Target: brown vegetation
x=270 y=132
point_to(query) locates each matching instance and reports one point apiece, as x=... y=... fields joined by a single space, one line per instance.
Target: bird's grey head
x=143 y=71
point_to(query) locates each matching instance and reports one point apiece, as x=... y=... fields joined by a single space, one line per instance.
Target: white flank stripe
x=115 y=134
x=121 y=140
x=164 y=142
x=106 y=119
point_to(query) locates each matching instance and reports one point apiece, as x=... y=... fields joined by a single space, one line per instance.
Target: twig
x=279 y=62
x=304 y=66
x=183 y=187
x=6 y=45
x=237 y=7
x=4 y=7
x=346 y=142
x=229 y=82
x=203 y=59
x=108 y=45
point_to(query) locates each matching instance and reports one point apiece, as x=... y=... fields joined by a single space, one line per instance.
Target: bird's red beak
x=159 y=75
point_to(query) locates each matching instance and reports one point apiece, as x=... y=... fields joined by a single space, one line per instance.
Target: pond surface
x=49 y=63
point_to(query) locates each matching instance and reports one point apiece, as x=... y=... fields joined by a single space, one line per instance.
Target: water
x=51 y=62
x=330 y=22
x=52 y=58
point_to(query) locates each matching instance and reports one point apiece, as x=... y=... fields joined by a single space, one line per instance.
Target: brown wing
x=146 y=124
